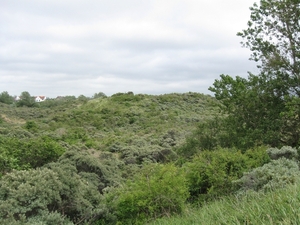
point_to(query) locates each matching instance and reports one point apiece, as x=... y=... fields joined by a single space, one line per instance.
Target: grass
x=281 y=206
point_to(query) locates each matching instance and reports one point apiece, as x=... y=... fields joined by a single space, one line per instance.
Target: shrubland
x=60 y=168
x=167 y=159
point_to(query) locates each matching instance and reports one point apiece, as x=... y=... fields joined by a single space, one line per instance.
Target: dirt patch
x=12 y=120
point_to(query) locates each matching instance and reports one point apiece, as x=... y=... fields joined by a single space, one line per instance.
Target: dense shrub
x=39 y=151
x=211 y=173
x=27 y=193
x=80 y=197
x=286 y=152
x=40 y=194
x=209 y=135
x=107 y=169
x=158 y=190
x=27 y=153
x=277 y=173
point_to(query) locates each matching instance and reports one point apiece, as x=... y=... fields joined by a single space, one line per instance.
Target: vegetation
x=265 y=107
x=277 y=207
x=158 y=190
x=168 y=159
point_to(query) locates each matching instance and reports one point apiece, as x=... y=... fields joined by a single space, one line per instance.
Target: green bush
x=40 y=194
x=211 y=173
x=27 y=193
x=31 y=126
x=158 y=190
x=39 y=151
x=47 y=218
x=107 y=170
x=286 y=152
x=209 y=135
x=274 y=174
x=16 y=153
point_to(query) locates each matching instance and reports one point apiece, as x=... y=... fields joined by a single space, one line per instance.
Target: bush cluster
x=282 y=170
x=211 y=173
x=156 y=191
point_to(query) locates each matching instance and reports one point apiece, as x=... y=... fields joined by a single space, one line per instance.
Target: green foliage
x=276 y=207
x=291 y=117
x=31 y=125
x=96 y=146
x=26 y=100
x=37 y=152
x=68 y=187
x=277 y=173
x=209 y=135
x=18 y=153
x=286 y=152
x=47 y=218
x=210 y=174
x=253 y=114
x=158 y=190
x=26 y=193
x=263 y=108
x=108 y=170
x=82 y=99
x=80 y=196
x=273 y=37
x=99 y=95
x=6 y=98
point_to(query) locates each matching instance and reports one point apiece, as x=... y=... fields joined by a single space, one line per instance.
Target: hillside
x=130 y=159
x=127 y=124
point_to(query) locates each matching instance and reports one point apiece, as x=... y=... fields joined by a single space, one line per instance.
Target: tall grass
x=281 y=206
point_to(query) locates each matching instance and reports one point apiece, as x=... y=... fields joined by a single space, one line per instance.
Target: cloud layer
x=55 y=47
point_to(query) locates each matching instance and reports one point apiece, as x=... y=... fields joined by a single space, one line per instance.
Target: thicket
x=69 y=190
x=16 y=153
x=131 y=159
x=132 y=180
x=90 y=149
x=211 y=174
x=157 y=190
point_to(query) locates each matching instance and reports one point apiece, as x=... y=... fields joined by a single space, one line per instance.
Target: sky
x=82 y=47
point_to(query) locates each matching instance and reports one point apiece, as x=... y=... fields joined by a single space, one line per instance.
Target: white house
x=40 y=98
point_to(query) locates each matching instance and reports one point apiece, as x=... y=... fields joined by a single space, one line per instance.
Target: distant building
x=40 y=98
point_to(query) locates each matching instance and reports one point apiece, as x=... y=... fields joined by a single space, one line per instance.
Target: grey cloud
x=82 y=47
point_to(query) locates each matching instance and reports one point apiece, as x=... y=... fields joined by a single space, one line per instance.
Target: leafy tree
x=6 y=98
x=273 y=37
x=99 y=95
x=82 y=98
x=255 y=106
x=26 y=100
x=253 y=113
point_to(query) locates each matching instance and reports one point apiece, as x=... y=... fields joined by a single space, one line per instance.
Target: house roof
x=41 y=97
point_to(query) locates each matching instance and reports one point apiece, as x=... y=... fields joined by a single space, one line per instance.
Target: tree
x=273 y=37
x=259 y=108
x=253 y=113
x=82 y=99
x=26 y=100
x=6 y=98
x=99 y=95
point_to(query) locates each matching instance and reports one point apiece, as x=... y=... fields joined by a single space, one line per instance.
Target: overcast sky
x=74 y=47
